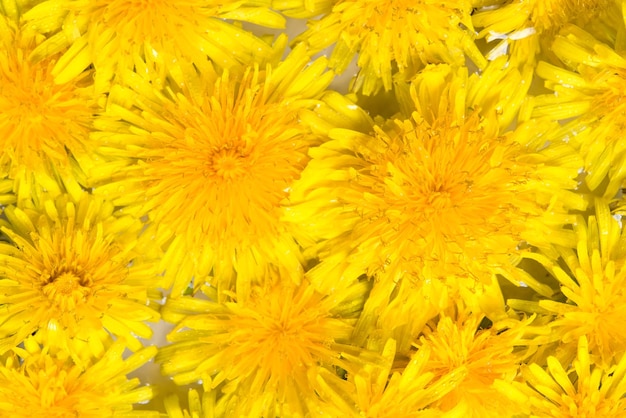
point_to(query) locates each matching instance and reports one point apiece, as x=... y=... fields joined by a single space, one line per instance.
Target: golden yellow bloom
x=541 y=15
x=444 y=192
x=44 y=125
x=476 y=357
x=592 y=280
x=383 y=390
x=117 y=35
x=212 y=167
x=524 y=28
x=562 y=391
x=394 y=36
x=263 y=353
x=72 y=271
x=45 y=385
x=590 y=90
x=399 y=311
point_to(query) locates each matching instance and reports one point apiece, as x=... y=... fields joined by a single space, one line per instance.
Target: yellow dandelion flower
x=262 y=354
x=476 y=357
x=562 y=391
x=590 y=90
x=519 y=18
x=524 y=28
x=382 y=389
x=442 y=193
x=592 y=279
x=213 y=167
x=113 y=35
x=399 y=311
x=395 y=35
x=44 y=385
x=73 y=272
x=44 y=125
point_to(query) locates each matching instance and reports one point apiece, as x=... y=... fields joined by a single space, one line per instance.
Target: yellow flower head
x=44 y=125
x=592 y=280
x=385 y=390
x=212 y=167
x=116 y=35
x=511 y=16
x=70 y=271
x=394 y=35
x=442 y=192
x=263 y=353
x=562 y=391
x=473 y=358
x=46 y=385
x=589 y=89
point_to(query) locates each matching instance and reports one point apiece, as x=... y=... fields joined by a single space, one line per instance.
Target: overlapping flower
x=439 y=235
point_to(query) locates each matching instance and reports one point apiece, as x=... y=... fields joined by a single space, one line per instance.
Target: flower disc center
x=66 y=283
x=67 y=288
x=229 y=163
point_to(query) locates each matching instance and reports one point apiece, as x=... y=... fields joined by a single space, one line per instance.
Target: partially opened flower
x=589 y=96
x=117 y=35
x=262 y=354
x=44 y=125
x=442 y=190
x=399 y=311
x=42 y=384
x=564 y=390
x=72 y=272
x=524 y=24
x=592 y=281
x=394 y=36
x=387 y=390
x=212 y=167
x=476 y=357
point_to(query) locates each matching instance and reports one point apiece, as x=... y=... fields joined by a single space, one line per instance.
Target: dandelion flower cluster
x=292 y=209
x=51 y=385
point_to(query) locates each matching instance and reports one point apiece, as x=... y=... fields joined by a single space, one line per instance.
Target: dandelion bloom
x=262 y=354
x=473 y=357
x=212 y=167
x=44 y=124
x=591 y=278
x=524 y=25
x=117 y=35
x=43 y=384
x=563 y=390
x=393 y=35
x=386 y=390
x=588 y=86
x=442 y=190
x=74 y=272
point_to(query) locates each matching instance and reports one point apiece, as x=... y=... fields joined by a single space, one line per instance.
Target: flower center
x=39 y=117
x=229 y=163
x=67 y=288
